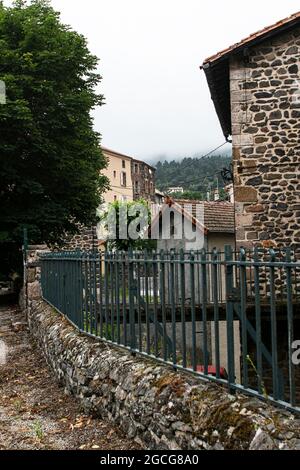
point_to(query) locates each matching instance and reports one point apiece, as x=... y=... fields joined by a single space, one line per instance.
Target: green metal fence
x=229 y=317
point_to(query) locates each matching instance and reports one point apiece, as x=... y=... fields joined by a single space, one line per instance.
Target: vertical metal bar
x=91 y=302
x=155 y=301
x=258 y=321
x=215 y=266
x=229 y=315
x=131 y=301
x=173 y=308
x=112 y=300
x=106 y=286
x=117 y=271
x=95 y=326
x=290 y=321
x=204 y=308
x=182 y=307
x=80 y=324
x=162 y=303
x=243 y=290
x=146 y=270
x=101 y=287
x=193 y=314
x=273 y=327
x=138 y=284
x=124 y=303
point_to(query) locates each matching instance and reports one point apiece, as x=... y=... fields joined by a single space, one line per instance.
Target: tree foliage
x=50 y=156
x=123 y=219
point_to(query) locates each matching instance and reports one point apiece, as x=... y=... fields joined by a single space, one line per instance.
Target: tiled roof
x=218 y=216
x=216 y=67
x=253 y=37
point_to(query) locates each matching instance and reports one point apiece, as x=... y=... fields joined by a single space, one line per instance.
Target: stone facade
x=143 y=180
x=155 y=406
x=265 y=111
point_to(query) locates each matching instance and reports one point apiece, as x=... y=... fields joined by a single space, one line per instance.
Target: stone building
x=143 y=180
x=255 y=87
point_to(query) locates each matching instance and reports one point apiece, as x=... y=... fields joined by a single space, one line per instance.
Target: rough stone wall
x=265 y=102
x=85 y=240
x=143 y=181
x=155 y=406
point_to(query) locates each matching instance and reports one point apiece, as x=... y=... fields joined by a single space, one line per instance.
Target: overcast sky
x=157 y=99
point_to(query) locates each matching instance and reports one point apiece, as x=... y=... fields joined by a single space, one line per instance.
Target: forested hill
x=193 y=174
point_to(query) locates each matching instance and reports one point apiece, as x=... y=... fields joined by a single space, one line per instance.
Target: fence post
x=193 y=309
x=244 y=335
x=162 y=302
x=131 y=300
x=290 y=320
x=276 y=387
x=182 y=306
x=204 y=308
x=229 y=316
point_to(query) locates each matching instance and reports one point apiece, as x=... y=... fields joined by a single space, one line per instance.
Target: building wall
x=265 y=102
x=143 y=180
x=220 y=240
x=114 y=170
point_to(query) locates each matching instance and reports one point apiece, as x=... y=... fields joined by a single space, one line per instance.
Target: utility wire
x=199 y=158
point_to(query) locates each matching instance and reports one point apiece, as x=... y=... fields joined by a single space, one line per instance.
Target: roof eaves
x=255 y=38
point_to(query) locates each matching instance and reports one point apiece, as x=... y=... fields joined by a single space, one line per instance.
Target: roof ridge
x=258 y=34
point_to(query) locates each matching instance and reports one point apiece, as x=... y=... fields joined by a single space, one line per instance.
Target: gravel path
x=34 y=411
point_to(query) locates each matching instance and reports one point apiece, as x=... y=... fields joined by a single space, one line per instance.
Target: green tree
x=121 y=218
x=50 y=156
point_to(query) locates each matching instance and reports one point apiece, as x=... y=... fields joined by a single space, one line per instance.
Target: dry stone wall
x=265 y=104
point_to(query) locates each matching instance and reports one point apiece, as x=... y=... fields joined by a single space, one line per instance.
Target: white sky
x=157 y=99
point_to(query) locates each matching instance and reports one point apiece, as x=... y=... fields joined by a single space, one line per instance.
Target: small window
x=115 y=174
x=123 y=164
x=115 y=198
x=136 y=168
x=123 y=178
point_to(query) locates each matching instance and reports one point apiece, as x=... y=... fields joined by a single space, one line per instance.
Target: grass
x=38 y=430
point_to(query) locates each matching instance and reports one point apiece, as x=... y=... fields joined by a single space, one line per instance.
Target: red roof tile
x=258 y=35
x=218 y=216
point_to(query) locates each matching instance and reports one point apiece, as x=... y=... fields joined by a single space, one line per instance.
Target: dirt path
x=34 y=411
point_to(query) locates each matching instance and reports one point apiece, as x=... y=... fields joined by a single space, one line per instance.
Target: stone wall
x=153 y=404
x=265 y=102
x=85 y=240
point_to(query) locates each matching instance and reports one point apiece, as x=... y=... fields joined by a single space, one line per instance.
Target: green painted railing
x=229 y=317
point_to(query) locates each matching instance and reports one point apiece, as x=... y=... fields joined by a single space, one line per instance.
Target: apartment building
x=118 y=172
x=130 y=179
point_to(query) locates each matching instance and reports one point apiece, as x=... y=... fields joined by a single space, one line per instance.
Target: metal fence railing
x=230 y=317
